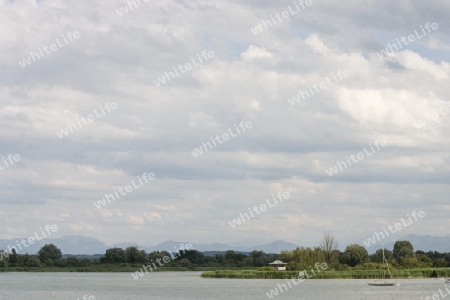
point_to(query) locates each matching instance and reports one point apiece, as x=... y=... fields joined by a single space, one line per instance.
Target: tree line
x=355 y=256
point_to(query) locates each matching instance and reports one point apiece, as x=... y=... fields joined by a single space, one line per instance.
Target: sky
x=308 y=89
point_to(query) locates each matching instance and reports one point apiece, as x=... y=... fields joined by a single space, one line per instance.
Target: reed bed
x=349 y=274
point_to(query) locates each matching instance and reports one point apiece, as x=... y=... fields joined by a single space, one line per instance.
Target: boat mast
x=385 y=262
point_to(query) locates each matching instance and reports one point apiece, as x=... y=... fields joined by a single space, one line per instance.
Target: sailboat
x=444 y=280
x=384 y=283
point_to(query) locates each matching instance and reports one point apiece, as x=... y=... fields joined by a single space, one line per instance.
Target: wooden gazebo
x=278 y=265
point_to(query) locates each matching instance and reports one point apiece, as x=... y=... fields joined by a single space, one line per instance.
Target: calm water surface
x=189 y=285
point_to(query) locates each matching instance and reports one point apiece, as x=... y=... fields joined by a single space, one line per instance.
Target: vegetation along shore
x=354 y=262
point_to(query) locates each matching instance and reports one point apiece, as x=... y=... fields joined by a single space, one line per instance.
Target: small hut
x=278 y=265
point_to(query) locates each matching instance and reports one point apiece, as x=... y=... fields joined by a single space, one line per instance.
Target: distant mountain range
x=89 y=246
x=86 y=245
x=429 y=243
x=68 y=244
x=420 y=242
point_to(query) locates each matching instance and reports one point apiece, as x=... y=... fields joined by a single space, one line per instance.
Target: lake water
x=189 y=285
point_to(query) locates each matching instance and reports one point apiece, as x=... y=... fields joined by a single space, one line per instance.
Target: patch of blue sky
x=419 y=46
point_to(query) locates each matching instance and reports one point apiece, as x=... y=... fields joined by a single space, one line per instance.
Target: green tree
x=334 y=259
x=33 y=262
x=71 y=261
x=260 y=258
x=229 y=255
x=402 y=250
x=355 y=254
x=114 y=255
x=4 y=258
x=377 y=257
x=184 y=262
x=194 y=256
x=13 y=257
x=303 y=258
x=440 y=263
x=49 y=254
x=219 y=258
x=25 y=259
x=158 y=257
x=248 y=261
x=234 y=258
x=424 y=261
x=134 y=255
x=285 y=256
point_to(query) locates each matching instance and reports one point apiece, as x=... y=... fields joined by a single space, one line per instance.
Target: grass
x=214 y=272
x=350 y=274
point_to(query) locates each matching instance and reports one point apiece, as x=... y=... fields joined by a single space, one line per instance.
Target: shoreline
x=104 y=269
x=349 y=274
x=245 y=274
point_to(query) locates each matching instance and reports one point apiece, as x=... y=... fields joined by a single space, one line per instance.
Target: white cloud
x=316 y=44
x=250 y=78
x=254 y=52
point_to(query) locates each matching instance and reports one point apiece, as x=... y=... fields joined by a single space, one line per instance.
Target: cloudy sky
x=116 y=54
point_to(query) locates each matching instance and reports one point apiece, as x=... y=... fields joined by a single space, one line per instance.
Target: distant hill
x=213 y=253
x=275 y=247
x=82 y=245
x=429 y=243
x=72 y=244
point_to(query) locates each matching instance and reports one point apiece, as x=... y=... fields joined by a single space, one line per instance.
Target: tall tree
x=194 y=256
x=303 y=258
x=49 y=254
x=402 y=250
x=355 y=254
x=4 y=257
x=134 y=255
x=328 y=245
x=377 y=257
x=260 y=258
x=13 y=257
x=33 y=262
x=114 y=255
